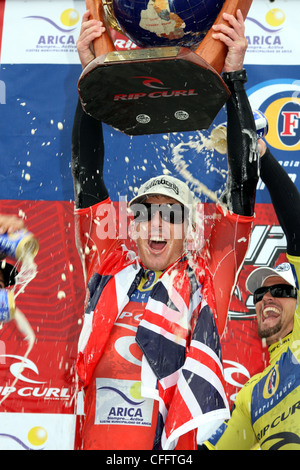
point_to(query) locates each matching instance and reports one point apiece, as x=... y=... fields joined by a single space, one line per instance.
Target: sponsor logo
x=164 y=182
x=69 y=18
x=37 y=431
x=152 y=82
x=162 y=91
x=17 y=371
x=154 y=94
x=279 y=100
x=17 y=368
x=284 y=115
x=37 y=437
x=271 y=384
x=266 y=31
x=49 y=33
x=283 y=267
x=120 y=402
x=282 y=439
x=266 y=244
x=235 y=374
x=124 y=44
x=151 y=278
x=56 y=35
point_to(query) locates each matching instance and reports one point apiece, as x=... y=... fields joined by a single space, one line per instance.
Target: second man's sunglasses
x=278 y=290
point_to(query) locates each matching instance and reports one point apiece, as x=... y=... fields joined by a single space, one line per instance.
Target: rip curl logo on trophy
x=172 y=83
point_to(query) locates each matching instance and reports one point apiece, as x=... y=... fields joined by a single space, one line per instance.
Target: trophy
x=161 y=89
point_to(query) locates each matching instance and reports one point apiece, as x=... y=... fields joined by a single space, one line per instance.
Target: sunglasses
x=278 y=290
x=172 y=213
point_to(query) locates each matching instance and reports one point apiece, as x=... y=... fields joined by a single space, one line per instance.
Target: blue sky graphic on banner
x=39 y=71
x=36 y=157
x=38 y=101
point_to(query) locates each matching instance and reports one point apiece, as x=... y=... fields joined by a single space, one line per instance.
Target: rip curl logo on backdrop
x=279 y=100
x=17 y=367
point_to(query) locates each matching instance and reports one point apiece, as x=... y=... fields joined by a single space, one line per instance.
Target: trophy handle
x=212 y=51
x=104 y=44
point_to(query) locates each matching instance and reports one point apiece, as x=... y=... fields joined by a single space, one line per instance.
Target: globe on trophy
x=171 y=82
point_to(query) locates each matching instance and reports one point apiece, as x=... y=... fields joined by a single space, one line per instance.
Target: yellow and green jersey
x=267 y=409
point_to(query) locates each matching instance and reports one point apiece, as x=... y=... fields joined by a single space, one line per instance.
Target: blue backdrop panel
x=36 y=126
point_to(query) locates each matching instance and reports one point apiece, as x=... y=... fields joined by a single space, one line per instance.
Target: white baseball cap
x=259 y=275
x=165 y=185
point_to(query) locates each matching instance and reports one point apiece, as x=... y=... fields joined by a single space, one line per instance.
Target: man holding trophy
x=149 y=358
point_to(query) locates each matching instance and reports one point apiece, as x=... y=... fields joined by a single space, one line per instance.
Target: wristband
x=239 y=75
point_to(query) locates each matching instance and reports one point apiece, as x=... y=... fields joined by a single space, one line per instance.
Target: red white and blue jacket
x=184 y=316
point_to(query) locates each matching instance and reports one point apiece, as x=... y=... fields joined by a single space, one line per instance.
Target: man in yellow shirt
x=266 y=412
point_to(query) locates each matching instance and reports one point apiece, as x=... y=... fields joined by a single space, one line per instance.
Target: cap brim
x=142 y=198
x=259 y=275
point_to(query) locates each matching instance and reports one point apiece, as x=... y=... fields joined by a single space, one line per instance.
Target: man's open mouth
x=156 y=244
x=270 y=312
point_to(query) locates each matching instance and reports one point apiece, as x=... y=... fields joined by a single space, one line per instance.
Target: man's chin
x=268 y=332
x=155 y=265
